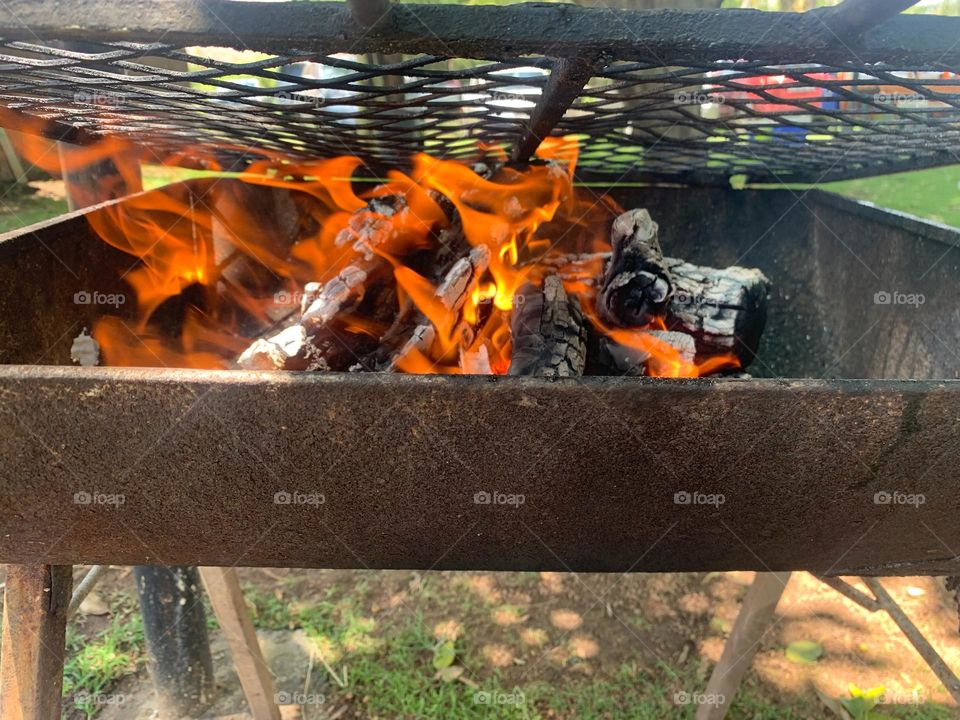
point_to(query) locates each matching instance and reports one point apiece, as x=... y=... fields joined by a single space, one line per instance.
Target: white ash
x=272 y=353
x=85 y=350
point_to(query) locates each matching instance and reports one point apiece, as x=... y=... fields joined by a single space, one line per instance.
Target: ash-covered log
x=636 y=285
x=549 y=332
x=317 y=341
x=724 y=309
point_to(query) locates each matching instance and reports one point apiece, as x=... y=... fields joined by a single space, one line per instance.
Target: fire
x=209 y=277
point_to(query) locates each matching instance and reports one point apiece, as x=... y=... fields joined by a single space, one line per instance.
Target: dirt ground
x=567 y=631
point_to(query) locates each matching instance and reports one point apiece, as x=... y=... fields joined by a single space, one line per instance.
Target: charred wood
x=549 y=332
x=636 y=285
x=452 y=293
x=725 y=309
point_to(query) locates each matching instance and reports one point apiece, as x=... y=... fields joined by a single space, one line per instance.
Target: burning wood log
x=278 y=352
x=315 y=342
x=452 y=294
x=549 y=332
x=724 y=310
x=636 y=286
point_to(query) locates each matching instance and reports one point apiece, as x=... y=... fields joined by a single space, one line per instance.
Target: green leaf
x=443 y=655
x=804 y=652
x=738 y=182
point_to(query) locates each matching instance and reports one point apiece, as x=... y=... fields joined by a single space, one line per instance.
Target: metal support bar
x=852 y=18
x=368 y=12
x=567 y=79
x=849 y=591
x=916 y=638
x=174 y=625
x=35 y=603
x=89 y=581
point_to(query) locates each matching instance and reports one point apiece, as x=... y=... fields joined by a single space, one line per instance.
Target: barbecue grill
x=686 y=113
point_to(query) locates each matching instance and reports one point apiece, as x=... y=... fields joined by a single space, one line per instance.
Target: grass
x=20 y=206
x=391 y=674
x=933 y=194
x=93 y=665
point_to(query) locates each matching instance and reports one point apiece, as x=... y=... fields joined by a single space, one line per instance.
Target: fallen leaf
x=449 y=674
x=804 y=652
x=444 y=655
x=93 y=604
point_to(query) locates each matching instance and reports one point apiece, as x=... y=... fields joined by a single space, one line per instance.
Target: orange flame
x=209 y=275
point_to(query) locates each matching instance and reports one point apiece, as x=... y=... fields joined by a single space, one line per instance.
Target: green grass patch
x=93 y=665
x=933 y=194
x=20 y=206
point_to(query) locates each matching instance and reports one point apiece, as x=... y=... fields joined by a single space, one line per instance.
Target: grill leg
x=751 y=624
x=226 y=597
x=35 y=602
x=175 y=628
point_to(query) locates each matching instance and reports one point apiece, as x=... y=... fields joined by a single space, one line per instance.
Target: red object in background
x=783 y=87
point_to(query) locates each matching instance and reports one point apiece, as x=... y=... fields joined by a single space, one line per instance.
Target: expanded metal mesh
x=788 y=123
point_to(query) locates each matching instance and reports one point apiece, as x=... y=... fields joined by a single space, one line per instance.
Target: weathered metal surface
x=603 y=474
x=657 y=36
x=199 y=456
x=35 y=601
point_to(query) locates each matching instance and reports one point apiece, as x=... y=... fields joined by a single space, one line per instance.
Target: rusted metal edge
x=604 y=474
x=566 y=81
x=656 y=36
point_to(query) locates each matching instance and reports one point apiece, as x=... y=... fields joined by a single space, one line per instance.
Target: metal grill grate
x=690 y=122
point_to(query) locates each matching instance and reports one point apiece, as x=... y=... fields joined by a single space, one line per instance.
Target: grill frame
x=194 y=465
